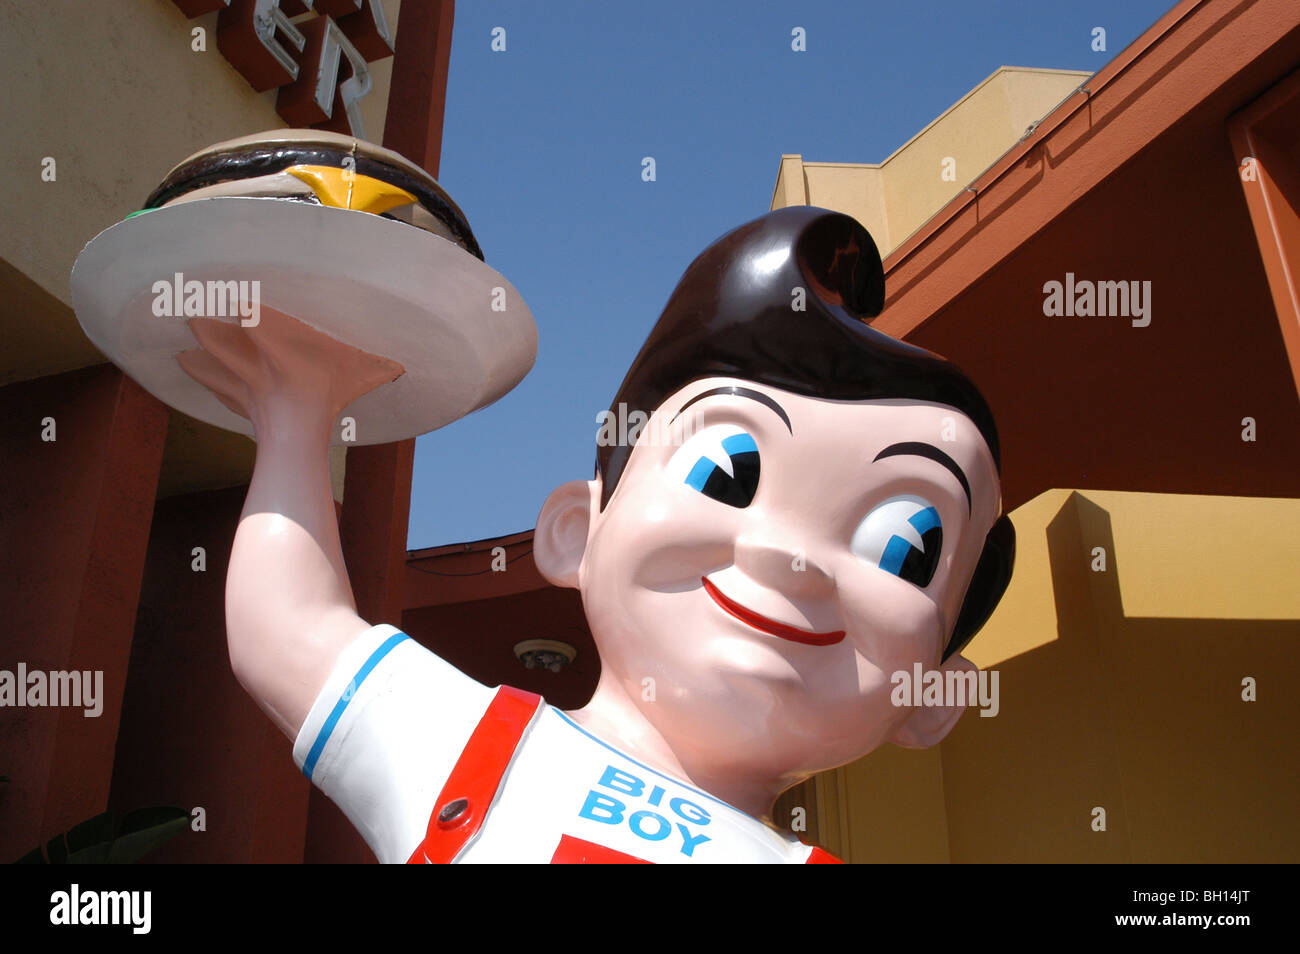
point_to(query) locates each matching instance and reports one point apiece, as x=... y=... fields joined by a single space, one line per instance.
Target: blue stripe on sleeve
x=309 y=764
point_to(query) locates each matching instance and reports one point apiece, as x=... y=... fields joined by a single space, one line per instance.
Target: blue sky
x=542 y=149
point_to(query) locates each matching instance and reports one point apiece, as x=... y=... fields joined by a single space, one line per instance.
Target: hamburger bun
x=320 y=167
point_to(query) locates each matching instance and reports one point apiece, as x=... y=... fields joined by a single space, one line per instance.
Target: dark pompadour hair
x=735 y=314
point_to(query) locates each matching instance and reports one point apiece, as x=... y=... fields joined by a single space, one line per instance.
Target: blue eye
x=720 y=462
x=902 y=536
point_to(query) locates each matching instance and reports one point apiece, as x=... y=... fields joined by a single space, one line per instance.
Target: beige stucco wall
x=113 y=92
x=895 y=197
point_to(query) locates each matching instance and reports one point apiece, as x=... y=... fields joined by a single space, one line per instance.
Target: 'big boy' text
x=671 y=819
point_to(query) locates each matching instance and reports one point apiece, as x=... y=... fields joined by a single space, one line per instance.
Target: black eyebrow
x=758 y=396
x=931 y=453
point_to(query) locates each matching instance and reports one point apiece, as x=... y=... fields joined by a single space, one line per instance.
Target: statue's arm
x=289 y=605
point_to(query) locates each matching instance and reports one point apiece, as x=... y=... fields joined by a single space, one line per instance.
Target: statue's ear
x=560 y=539
x=989 y=582
x=929 y=725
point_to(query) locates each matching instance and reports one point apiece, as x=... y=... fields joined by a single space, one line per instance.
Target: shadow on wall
x=1141 y=717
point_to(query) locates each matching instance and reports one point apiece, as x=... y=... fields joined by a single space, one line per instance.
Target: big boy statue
x=811 y=507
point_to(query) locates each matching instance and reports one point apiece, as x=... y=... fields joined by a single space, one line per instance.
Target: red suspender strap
x=462 y=806
x=579 y=851
x=819 y=857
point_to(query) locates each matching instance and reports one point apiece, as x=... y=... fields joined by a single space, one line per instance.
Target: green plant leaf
x=88 y=842
x=93 y=841
x=56 y=850
x=144 y=830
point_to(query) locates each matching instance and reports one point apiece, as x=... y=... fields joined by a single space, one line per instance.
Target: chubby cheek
x=665 y=537
x=642 y=566
x=891 y=623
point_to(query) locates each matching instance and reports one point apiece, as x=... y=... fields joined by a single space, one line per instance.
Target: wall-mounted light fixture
x=545 y=654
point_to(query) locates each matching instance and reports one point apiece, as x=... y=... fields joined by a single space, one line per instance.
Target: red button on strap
x=461 y=807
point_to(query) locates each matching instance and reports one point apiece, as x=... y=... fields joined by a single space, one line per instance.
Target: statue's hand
x=281 y=370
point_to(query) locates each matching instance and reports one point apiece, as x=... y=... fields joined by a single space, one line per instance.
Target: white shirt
x=392 y=719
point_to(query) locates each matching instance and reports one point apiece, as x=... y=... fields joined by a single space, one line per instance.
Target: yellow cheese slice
x=347 y=189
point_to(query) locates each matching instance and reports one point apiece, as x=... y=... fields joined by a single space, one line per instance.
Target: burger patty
x=255 y=161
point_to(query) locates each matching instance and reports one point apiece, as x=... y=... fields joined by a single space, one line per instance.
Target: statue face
x=769 y=560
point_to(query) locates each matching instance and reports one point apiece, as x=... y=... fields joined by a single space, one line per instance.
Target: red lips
x=770 y=626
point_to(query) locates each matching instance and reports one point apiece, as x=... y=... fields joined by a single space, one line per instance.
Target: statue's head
x=788 y=508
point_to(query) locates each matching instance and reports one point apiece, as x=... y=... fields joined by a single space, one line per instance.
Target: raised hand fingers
x=216 y=377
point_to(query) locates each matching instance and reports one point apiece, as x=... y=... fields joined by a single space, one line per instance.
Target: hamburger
x=321 y=168
x=303 y=224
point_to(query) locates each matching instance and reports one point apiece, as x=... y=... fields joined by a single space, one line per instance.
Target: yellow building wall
x=1120 y=688
x=895 y=197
